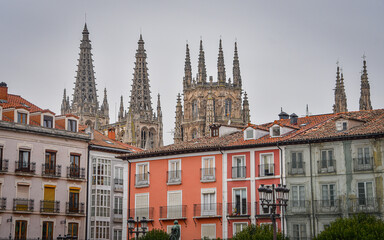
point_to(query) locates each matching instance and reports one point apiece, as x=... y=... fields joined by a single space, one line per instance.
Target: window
x=276 y=131
x=142 y=172
x=142 y=205
x=24 y=160
x=119 y=176
x=228 y=107
x=117 y=234
x=208 y=170
x=249 y=134
x=49 y=198
x=72 y=125
x=21 y=229
x=73 y=205
x=118 y=207
x=328 y=192
x=75 y=165
x=101 y=172
x=344 y=126
x=365 y=192
x=3 y=164
x=364 y=156
x=238 y=227
x=297 y=164
x=22 y=117
x=194 y=133
x=239 y=206
x=174 y=173
x=73 y=229
x=266 y=165
x=143 y=143
x=341 y=125
x=195 y=110
x=48 y=121
x=214 y=132
x=208 y=199
x=238 y=167
x=50 y=163
x=299 y=231
x=101 y=202
x=174 y=204
x=327 y=163
x=298 y=196
x=47 y=231
x=22 y=202
x=208 y=231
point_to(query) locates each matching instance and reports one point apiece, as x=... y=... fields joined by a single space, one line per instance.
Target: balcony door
x=208 y=198
x=73 y=229
x=174 y=204
x=266 y=165
x=21 y=230
x=74 y=200
x=142 y=205
x=365 y=191
x=49 y=198
x=240 y=202
x=23 y=197
x=47 y=231
x=24 y=160
x=50 y=162
x=328 y=195
x=75 y=165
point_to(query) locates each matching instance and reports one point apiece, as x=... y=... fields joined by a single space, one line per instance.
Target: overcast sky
x=288 y=49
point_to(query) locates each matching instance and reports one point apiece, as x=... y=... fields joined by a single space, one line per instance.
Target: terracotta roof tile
x=15 y=101
x=100 y=140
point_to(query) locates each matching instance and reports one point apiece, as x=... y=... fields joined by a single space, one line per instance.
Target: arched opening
x=194 y=110
x=194 y=133
x=151 y=138
x=228 y=107
x=143 y=139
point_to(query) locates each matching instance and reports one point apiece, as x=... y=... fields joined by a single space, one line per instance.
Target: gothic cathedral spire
x=178 y=134
x=365 y=93
x=187 y=69
x=340 y=97
x=202 y=74
x=121 y=116
x=236 y=69
x=220 y=66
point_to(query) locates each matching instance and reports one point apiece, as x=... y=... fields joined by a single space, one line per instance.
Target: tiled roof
x=100 y=140
x=15 y=101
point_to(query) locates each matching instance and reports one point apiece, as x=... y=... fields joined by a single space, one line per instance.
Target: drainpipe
x=312 y=198
x=86 y=209
x=129 y=194
x=281 y=179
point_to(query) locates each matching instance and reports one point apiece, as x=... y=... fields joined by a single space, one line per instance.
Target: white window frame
x=239 y=223
x=300 y=233
x=234 y=200
x=175 y=179
x=234 y=164
x=300 y=202
x=246 y=133
x=181 y=204
x=329 y=200
x=138 y=195
x=208 y=225
x=137 y=180
x=271 y=162
x=272 y=131
x=365 y=193
x=208 y=177
x=212 y=209
x=329 y=167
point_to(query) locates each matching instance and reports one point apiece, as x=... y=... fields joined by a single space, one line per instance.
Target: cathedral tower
x=365 y=92
x=340 y=97
x=209 y=102
x=84 y=102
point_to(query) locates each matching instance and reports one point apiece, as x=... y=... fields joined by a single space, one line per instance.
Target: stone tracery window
x=228 y=107
x=143 y=137
x=194 y=133
x=194 y=110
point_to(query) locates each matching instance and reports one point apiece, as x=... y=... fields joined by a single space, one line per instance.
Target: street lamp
x=131 y=226
x=271 y=198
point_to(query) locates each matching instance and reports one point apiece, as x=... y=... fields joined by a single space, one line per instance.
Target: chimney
x=3 y=91
x=293 y=117
x=283 y=115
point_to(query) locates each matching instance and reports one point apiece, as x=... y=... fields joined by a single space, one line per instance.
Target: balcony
x=173 y=212
x=76 y=173
x=118 y=185
x=142 y=179
x=23 y=205
x=296 y=169
x=239 y=172
x=363 y=164
x=328 y=206
x=141 y=212
x=118 y=215
x=174 y=177
x=3 y=203
x=49 y=207
x=266 y=170
x=212 y=210
x=326 y=166
x=207 y=174
x=3 y=165
x=239 y=209
x=25 y=168
x=364 y=205
x=74 y=208
x=298 y=207
x=50 y=171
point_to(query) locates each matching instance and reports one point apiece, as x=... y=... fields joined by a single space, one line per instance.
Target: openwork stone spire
x=236 y=69
x=220 y=66
x=85 y=95
x=178 y=135
x=121 y=116
x=140 y=93
x=365 y=92
x=340 y=97
x=105 y=106
x=246 y=112
x=187 y=69
x=202 y=75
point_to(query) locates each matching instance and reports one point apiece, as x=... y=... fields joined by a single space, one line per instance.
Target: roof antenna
x=307 y=111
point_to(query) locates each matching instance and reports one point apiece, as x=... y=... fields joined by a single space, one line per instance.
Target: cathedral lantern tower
x=207 y=102
x=84 y=102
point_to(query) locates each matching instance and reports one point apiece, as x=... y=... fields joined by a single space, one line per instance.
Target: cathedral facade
x=84 y=103
x=140 y=126
x=207 y=102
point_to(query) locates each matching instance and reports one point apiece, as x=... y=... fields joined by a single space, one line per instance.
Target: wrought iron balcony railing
x=23 y=205
x=266 y=170
x=326 y=166
x=363 y=164
x=75 y=172
x=3 y=165
x=74 y=208
x=296 y=169
x=208 y=174
x=48 y=170
x=3 y=203
x=173 y=212
x=118 y=184
x=174 y=177
x=298 y=207
x=25 y=168
x=142 y=179
x=239 y=209
x=329 y=206
x=141 y=212
x=49 y=206
x=239 y=172
x=207 y=210
x=364 y=205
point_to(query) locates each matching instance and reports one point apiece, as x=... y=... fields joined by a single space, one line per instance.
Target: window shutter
x=142 y=207
x=208 y=230
x=23 y=191
x=174 y=198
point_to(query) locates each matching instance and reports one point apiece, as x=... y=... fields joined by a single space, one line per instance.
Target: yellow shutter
x=49 y=193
